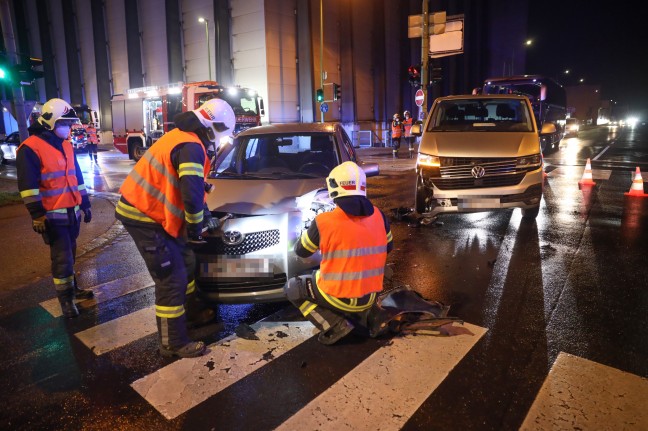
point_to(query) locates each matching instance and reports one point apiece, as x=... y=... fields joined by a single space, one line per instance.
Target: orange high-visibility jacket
x=407 y=124
x=354 y=252
x=92 y=135
x=153 y=186
x=59 y=187
x=397 y=129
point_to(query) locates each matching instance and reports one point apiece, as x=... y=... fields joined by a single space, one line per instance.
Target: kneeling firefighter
x=163 y=208
x=354 y=240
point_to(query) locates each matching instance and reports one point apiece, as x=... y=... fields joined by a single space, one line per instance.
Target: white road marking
x=581 y=394
x=386 y=389
x=106 y=291
x=119 y=332
x=176 y=388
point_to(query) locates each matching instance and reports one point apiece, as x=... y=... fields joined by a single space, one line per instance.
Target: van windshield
x=483 y=115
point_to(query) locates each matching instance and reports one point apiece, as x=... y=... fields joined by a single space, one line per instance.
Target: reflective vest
x=354 y=252
x=407 y=123
x=92 y=135
x=397 y=129
x=153 y=186
x=59 y=186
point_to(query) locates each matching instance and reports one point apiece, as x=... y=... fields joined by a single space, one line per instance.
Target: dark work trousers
x=92 y=152
x=62 y=234
x=167 y=259
x=324 y=310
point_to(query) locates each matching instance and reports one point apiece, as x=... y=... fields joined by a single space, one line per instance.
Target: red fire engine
x=142 y=115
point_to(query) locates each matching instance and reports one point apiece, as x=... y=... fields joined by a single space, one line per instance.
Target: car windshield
x=488 y=115
x=277 y=156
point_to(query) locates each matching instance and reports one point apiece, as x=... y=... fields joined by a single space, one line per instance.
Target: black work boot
x=174 y=341
x=198 y=314
x=82 y=293
x=192 y=349
x=336 y=332
x=66 y=299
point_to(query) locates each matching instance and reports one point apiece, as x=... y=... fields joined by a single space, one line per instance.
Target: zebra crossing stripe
x=106 y=291
x=185 y=383
x=119 y=332
x=389 y=386
x=581 y=394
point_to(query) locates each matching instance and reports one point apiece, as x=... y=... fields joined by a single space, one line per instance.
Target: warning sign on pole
x=419 y=97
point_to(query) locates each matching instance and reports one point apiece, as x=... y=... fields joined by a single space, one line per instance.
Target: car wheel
x=530 y=213
x=423 y=196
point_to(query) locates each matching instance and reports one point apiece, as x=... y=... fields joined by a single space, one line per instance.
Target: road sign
x=436 y=23
x=419 y=97
x=324 y=107
x=451 y=41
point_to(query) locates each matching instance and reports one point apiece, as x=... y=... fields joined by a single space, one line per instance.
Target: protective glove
x=195 y=236
x=210 y=224
x=87 y=215
x=40 y=224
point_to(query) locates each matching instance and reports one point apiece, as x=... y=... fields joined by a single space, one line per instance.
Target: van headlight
x=531 y=161
x=428 y=160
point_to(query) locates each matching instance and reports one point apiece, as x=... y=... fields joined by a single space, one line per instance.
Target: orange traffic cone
x=587 y=179
x=636 y=189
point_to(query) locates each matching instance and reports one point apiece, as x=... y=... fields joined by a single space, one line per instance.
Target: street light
x=201 y=19
x=528 y=42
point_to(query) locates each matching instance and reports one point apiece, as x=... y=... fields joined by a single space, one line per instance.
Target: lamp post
x=201 y=19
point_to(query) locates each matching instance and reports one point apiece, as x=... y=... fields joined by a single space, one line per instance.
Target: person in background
x=93 y=142
x=407 y=131
x=51 y=185
x=354 y=240
x=396 y=133
x=162 y=206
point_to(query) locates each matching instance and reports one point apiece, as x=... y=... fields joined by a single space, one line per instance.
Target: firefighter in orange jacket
x=163 y=209
x=407 y=129
x=93 y=141
x=51 y=185
x=396 y=133
x=354 y=240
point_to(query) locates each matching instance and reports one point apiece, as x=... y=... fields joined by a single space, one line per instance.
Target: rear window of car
x=494 y=115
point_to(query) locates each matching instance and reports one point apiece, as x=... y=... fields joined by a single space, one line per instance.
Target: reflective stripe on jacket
x=59 y=186
x=407 y=124
x=92 y=135
x=153 y=186
x=354 y=253
x=396 y=129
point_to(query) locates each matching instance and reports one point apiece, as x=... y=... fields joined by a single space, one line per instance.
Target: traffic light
x=414 y=72
x=337 y=91
x=320 y=95
x=435 y=75
x=26 y=72
x=6 y=72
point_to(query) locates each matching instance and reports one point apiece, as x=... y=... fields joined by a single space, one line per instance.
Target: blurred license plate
x=232 y=267
x=475 y=202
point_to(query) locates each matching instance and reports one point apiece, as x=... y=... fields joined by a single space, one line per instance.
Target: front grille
x=242 y=285
x=254 y=241
x=456 y=173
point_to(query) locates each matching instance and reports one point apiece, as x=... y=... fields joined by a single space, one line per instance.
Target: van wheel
x=422 y=196
x=530 y=213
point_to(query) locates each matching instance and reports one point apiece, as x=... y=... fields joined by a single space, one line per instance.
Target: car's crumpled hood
x=260 y=197
x=480 y=144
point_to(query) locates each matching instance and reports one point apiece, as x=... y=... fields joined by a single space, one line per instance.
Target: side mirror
x=261 y=108
x=370 y=169
x=548 y=129
x=417 y=129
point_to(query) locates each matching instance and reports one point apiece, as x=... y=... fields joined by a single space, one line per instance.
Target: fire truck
x=142 y=115
x=78 y=134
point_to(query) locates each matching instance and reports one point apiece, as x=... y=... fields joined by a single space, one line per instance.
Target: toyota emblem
x=478 y=171
x=233 y=237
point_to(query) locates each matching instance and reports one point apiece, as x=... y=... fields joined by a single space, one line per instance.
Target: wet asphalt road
x=574 y=281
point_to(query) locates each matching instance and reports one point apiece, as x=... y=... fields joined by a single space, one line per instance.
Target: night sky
x=606 y=43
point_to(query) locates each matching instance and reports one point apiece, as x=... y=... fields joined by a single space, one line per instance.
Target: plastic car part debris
x=245 y=331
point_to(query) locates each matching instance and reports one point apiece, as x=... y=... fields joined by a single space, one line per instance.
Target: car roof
x=483 y=96
x=291 y=128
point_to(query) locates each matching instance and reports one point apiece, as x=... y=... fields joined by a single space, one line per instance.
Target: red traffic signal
x=414 y=72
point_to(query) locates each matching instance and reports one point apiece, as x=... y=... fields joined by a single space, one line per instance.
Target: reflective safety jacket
x=92 y=135
x=58 y=187
x=407 y=125
x=353 y=253
x=396 y=129
x=153 y=186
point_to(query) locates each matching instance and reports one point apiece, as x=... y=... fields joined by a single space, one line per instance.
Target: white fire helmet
x=218 y=118
x=347 y=179
x=55 y=110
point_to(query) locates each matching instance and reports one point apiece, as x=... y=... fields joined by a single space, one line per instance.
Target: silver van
x=480 y=153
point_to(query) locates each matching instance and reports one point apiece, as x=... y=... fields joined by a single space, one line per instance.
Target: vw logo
x=478 y=172
x=233 y=237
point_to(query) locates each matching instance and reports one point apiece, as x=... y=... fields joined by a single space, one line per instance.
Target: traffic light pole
x=425 y=55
